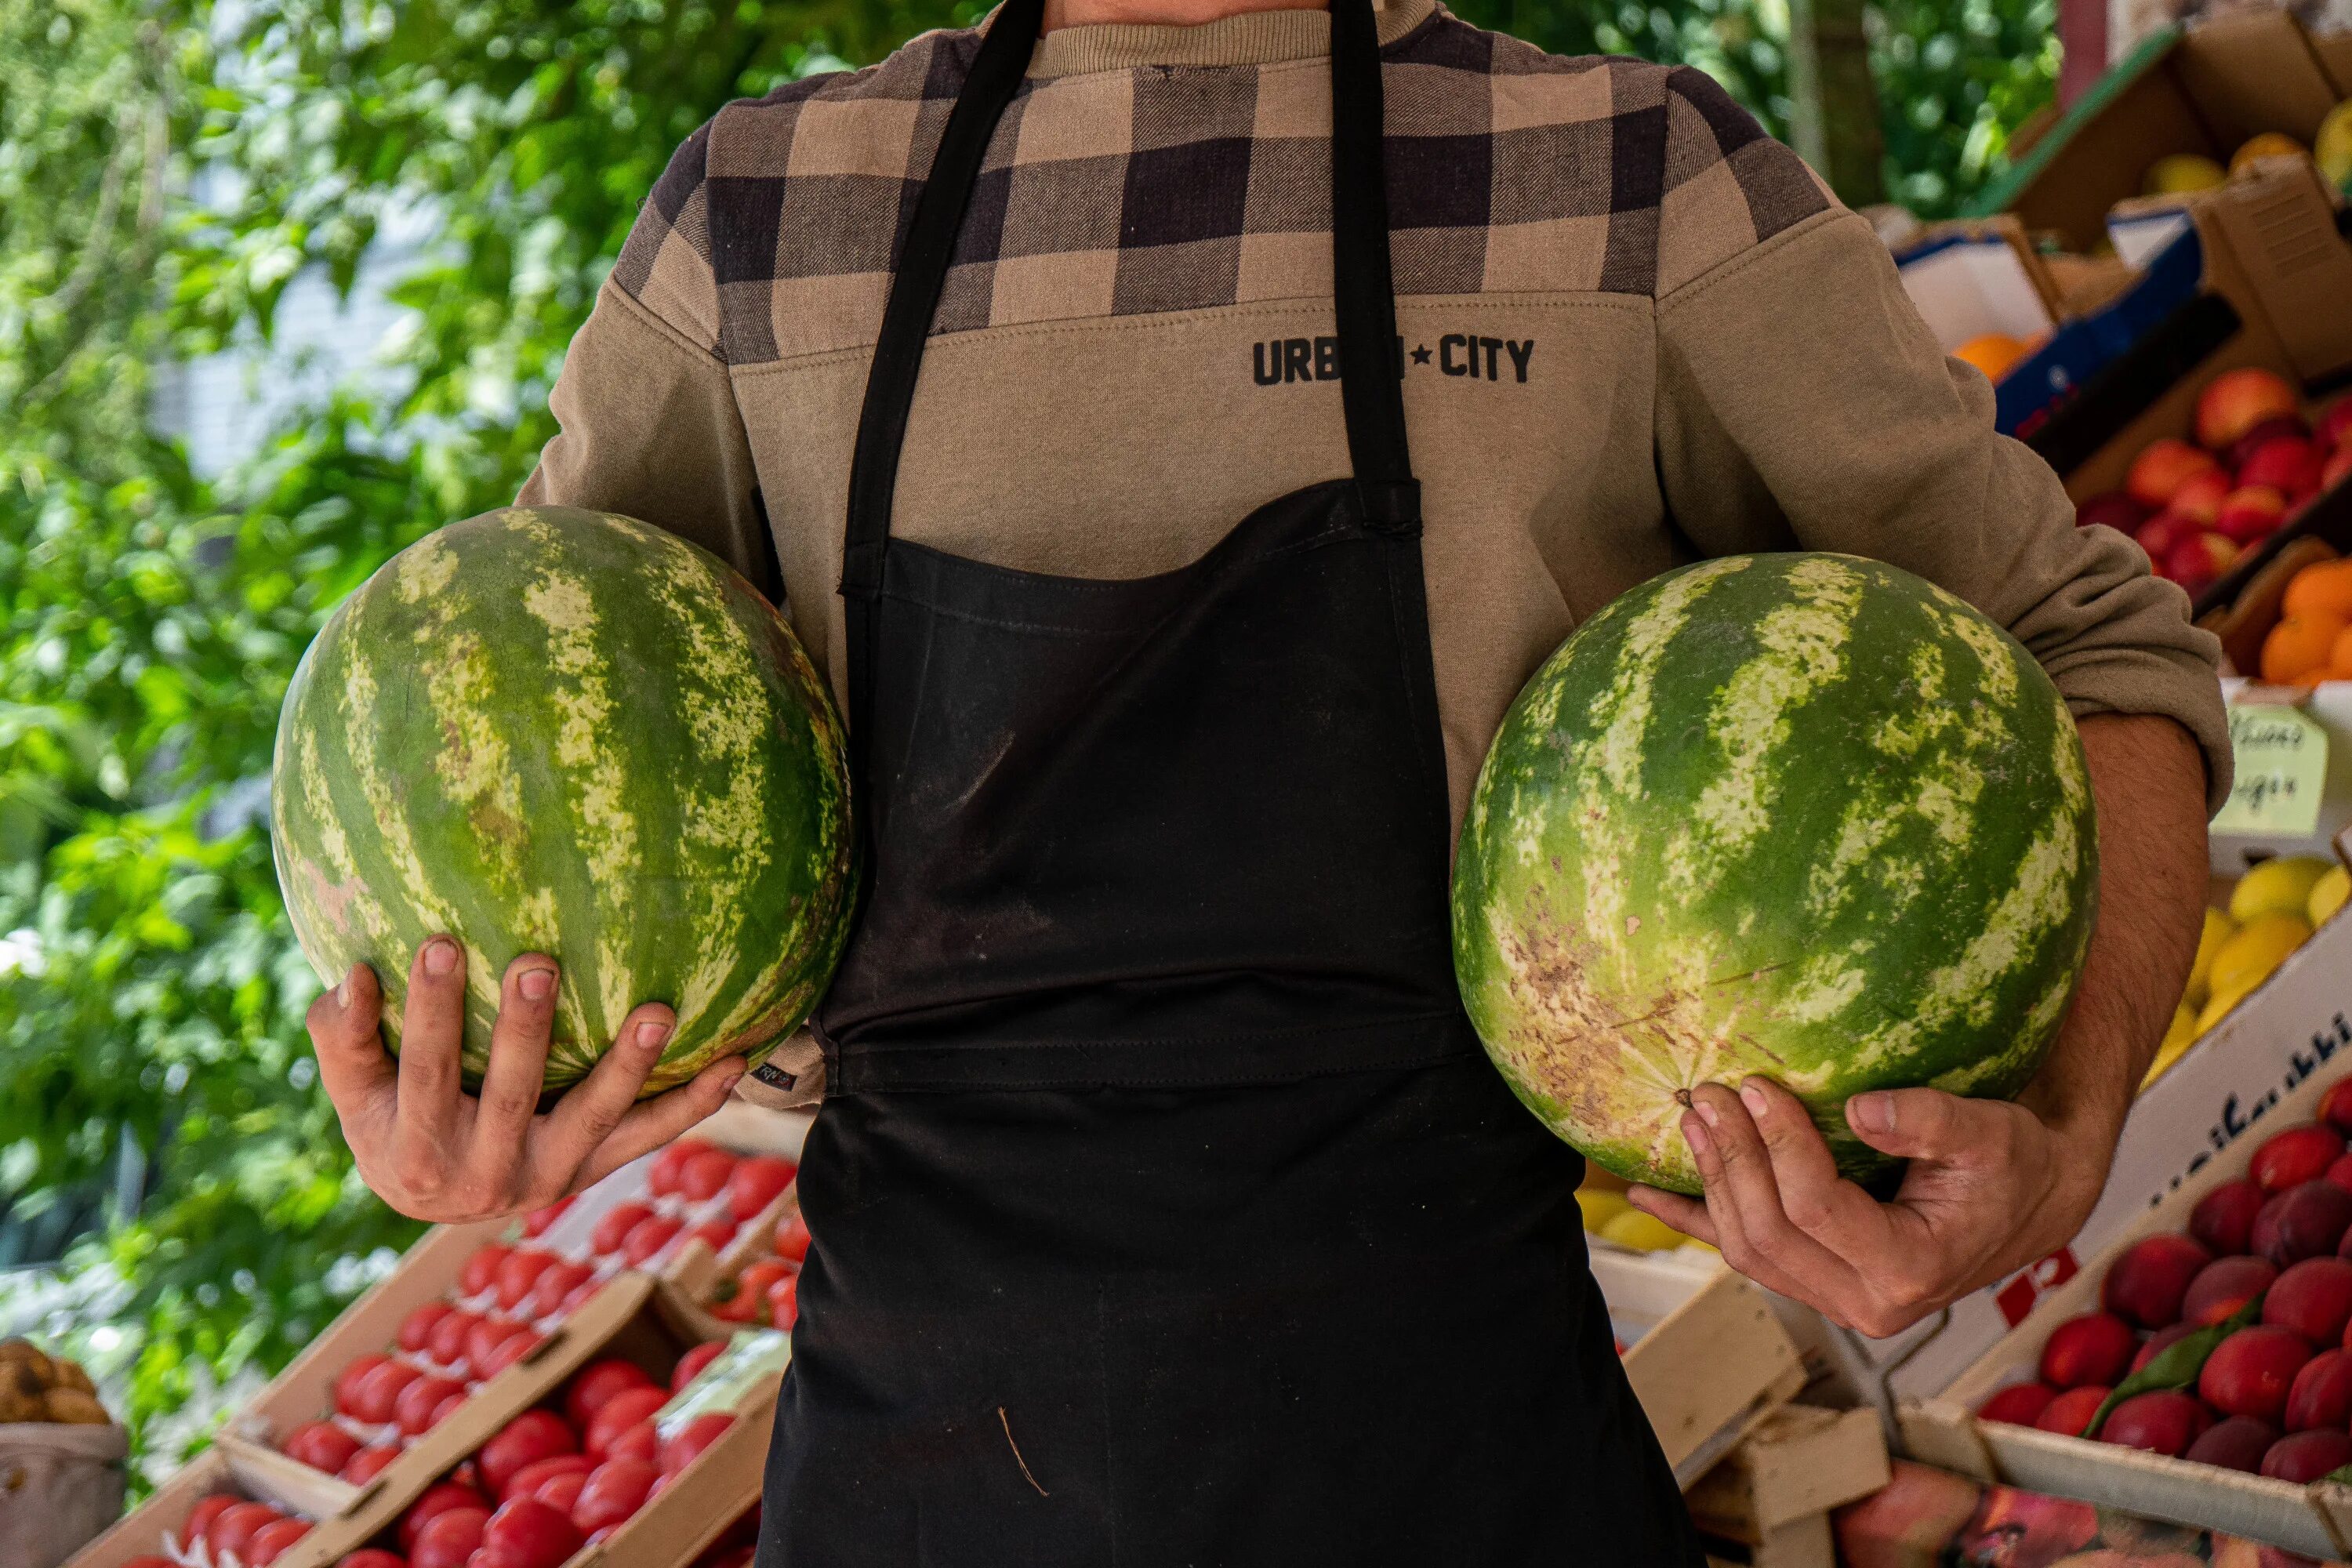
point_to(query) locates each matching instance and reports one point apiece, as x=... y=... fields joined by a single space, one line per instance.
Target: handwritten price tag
x=2282 y=767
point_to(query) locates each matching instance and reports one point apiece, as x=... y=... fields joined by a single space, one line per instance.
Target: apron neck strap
x=1362 y=288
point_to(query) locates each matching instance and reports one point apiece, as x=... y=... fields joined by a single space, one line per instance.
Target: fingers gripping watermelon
x=565 y=732
x=1800 y=815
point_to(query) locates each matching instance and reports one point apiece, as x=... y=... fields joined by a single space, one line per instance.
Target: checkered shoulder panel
x=773 y=232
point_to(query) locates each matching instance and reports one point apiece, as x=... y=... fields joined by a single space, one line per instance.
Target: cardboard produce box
x=153 y=1528
x=1704 y=1351
x=1942 y=1430
x=1767 y=1503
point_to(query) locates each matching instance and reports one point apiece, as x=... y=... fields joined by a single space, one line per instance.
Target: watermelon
x=554 y=730
x=1797 y=815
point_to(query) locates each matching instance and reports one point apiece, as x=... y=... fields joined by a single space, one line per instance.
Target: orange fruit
x=2323 y=588
x=2339 y=658
x=2301 y=648
x=1995 y=354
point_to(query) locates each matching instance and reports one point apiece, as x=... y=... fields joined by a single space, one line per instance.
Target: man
x=1165 y=1210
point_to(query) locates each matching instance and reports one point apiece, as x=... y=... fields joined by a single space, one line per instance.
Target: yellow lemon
x=1643 y=1233
x=2279 y=886
x=2176 y=1041
x=2329 y=893
x=2333 y=145
x=2268 y=144
x=1599 y=1207
x=2219 y=929
x=2261 y=945
x=2183 y=172
x=2219 y=1007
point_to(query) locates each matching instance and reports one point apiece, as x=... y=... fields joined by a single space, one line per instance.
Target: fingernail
x=536 y=984
x=1753 y=1099
x=343 y=987
x=1872 y=1112
x=1706 y=1113
x=730 y=1078
x=1695 y=1136
x=652 y=1033
x=440 y=956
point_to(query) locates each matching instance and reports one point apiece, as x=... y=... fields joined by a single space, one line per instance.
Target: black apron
x=1165 y=1210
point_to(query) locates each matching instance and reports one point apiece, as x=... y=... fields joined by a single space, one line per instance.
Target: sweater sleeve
x=1802 y=403
x=648 y=420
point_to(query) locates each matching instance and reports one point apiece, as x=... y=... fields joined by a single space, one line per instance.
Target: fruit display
x=2228 y=1342
x=2179 y=174
x=2256 y=460
x=451 y=758
x=37 y=1387
x=2312 y=641
x=2274 y=909
x=765 y=1292
x=1699 y=845
x=229 y=1529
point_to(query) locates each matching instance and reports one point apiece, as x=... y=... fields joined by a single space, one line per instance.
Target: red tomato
x=414 y=1407
x=517 y=1274
x=481 y=1270
x=555 y=1284
x=507 y=1351
x=347 y=1381
x=379 y=1390
x=530 y=1533
x=597 y=1382
x=661 y=1176
x=638 y=1442
x=235 y=1527
x=707 y=1174
x=784 y=1302
x=534 y=1435
x=687 y=1445
x=614 y=1490
x=756 y=1183
x=536 y=1223
x=622 y=1410
x=693 y=1362
x=526 y=1481
x=713 y=1234
x=649 y=1237
x=484 y=1337
x=613 y=1228
x=200 y=1518
x=416 y=1329
x=271 y=1539
x=367 y=1462
x=438 y=1499
x=445 y=1409
x=741 y=1306
x=448 y=1539
x=560 y=1493
x=793 y=1237
x=447 y=1344
x=322 y=1445
x=371 y=1557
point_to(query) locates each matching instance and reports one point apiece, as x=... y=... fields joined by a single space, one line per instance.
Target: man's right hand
x=436 y=1152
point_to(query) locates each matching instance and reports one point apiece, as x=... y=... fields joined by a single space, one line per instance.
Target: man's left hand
x=1991 y=1188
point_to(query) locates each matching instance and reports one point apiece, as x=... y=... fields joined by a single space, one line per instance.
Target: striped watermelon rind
x=558 y=730
x=1799 y=816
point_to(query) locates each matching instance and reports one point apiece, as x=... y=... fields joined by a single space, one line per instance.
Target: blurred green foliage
x=166 y=170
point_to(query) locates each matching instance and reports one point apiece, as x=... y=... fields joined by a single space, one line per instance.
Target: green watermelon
x=1800 y=816
x=554 y=730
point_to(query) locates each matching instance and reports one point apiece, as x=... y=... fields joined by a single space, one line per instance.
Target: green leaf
x=2178 y=1364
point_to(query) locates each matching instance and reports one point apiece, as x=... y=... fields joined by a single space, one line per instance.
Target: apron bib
x=1166 y=1211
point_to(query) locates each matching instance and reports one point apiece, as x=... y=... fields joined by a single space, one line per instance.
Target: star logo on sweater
x=1278 y=362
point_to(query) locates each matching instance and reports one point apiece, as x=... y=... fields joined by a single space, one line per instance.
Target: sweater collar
x=1253 y=37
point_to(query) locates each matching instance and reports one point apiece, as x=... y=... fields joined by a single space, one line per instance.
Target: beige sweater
x=1637 y=332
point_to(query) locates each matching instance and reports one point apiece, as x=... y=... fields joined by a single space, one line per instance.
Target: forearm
x=2148 y=778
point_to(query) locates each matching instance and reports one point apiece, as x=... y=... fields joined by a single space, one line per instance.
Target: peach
x=2200 y=559
x=2019 y=1404
x=2278 y=425
x=2111 y=508
x=2162 y=467
x=2163 y=1340
x=2198 y=499
x=2303 y=1222
x=2094 y=1348
x=1909 y=1520
x=2300 y=1457
x=2321 y=1393
x=2145 y=1284
x=2287 y=464
x=2163 y=1421
x=2251 y=513
x=2314 y=1298
x=2071 y=1411
x=2237 y=1443
x=2295 y=1155
x=2235 y=401
x=2223 y=1218
x=2248 y=1373
x=2225 y=1285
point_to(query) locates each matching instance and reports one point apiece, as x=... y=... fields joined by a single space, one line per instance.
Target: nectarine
x=2145 y=1284
x=2321 y=1394
x=2019 y=1404
x=2302 y=1456
x=2234 y=1443
x=2200 y=559
x=2224 y=1218
x=2303 y=1222
x=2225 y=1285
x=2071 y=1411
x=2162 y=1421
x=2287 y=464
x=2294 y=1155
x=2249 y=512
x=2163 y=466
x=2235 y=401
x=2094 y=1348
x=2248 y=1373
